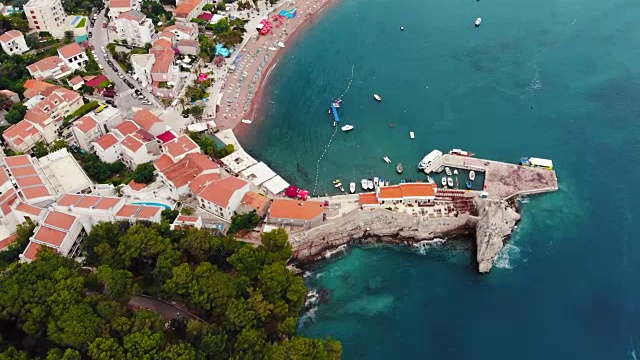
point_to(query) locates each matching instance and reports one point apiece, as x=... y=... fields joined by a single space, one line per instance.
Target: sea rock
x=496 y=223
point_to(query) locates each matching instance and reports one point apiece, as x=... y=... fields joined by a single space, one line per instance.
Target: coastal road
x=101 y=39
x=167 y=310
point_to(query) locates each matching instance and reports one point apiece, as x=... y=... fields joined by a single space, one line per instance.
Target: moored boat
x=337 y=185
x=450 y=182
x=352 y=187
x=461 y=152
x=469 y=184
x=370 y=184
x=347 y=128
x=429 y=158
x=455 y=171
x=399 y=168
x=364 y=184
x=472 y=175
x=478 y=22
x=375 y=181
x=444 y=181
x=381 y=182
x=386 y=183
x=447 y=170
x=336 y=181
x=412 y=134
x=377 y=97
x=341 y=188
x=386 y=159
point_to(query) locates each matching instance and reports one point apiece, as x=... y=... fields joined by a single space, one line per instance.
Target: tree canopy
x=144 y=173
x=245 y=298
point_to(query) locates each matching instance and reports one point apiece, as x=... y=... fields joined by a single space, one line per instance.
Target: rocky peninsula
x=492 y=224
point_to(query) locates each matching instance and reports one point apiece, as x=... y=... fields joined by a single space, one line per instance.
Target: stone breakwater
x=494 y=222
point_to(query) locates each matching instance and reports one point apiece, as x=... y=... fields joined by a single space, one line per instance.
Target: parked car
x=110 y=102
x=90 y=34
x=146 y=102
x=138 y=92
x=121 y=76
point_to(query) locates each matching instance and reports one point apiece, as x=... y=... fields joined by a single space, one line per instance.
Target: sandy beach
x=244 y=82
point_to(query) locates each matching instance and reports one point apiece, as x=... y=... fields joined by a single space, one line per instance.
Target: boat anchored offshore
x=337 y=185
x=472 y=175
x=337 y=181
x=450 y=182
x=364 y=184
x=347 y=128
x=381 y=182
x=399 y=168
x=352 y=187
x=478 y=22
x=387 y=160
x=377 y=97
x=341 y=188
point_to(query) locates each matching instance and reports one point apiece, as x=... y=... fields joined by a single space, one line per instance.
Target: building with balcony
x=134 y=27
x=73 y=56
x=12 y=42
x=183 y=31
x=92 y=126
x=179 y=175
x=117 y=7
x=51 y=67
x=47 y=16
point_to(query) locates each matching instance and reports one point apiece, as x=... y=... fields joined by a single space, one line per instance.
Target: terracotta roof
x=85 y=124
x=69 y=199
x=31 y=251
x=136 y=186
x=180 y=146
x=18 y=160
x=50 y=236
x=164 y=59
x=127 y=127
x=201 y=181
x=70 y=50
x=127 y=210
x=106 y=141
x=48 y=64
x=145 y=119
x=23 y=171
x=132 y=143
x=186 y=170
x=185 y=8
x=162 y=44
x=4 y=243
x=163 y=162
x=368 y=199
x=390 y=192
x=29 y=209
x=10 y=35
x=220 y=192
x=296 y=209
x=36 y=87
x=166 y=34
x=255 y=201
x=119 y=3
x=87 y=201
x=60 y=220
x=19 y=132
x=181 y=27
x=148 y=212
x=107 y=203
x=3 y=176
x=187 y=219
x=188 y=43
x=418 y=189
x=26 y=181
x=35 y=192
x=6 y=200
x=76 y=80
x=133 y=15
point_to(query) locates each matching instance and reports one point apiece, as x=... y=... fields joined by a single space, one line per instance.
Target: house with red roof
x=92 y=126
x=51 y=67
x=296 y=213
x=179 y=175
x=73 y=56
x=219 y=196
x=183 y=222
x=184 y=31
x=179 y=147
x=189 y=9
x=13 y=42
x=58 y=231
x=107 y=147
x=146 y=120
x=415 y=194
x=134 y=27
x=188 y=47
x=117 y=7
x=165 y=74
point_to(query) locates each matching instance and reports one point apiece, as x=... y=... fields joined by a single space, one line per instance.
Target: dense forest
x=242 y=301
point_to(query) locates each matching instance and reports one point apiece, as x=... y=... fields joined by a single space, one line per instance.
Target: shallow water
x=552 y=79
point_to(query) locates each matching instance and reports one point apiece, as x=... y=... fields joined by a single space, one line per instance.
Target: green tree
x=245 y=221
x=13 y=354
x=68 y=354
x=16 y=113
x=198 y=244
x=68 y=37
x=77 y=326
x=11 y=254
x=57 y=145
x=106 y=349
x=40 y=149
x=181 y=351
x=197 y=111
x=102 y=242
x=276 y=242
x=144 y=173
x=143 y=345
x=118 y=284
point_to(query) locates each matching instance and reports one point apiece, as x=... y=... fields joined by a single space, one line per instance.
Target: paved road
x=101 y=39
x=167 y=310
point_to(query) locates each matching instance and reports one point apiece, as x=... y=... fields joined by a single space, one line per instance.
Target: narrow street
x=167 y=310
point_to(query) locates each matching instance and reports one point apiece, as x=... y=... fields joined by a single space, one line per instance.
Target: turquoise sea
x=548 y=78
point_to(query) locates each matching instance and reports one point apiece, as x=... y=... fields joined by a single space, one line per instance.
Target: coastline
x=240 y=129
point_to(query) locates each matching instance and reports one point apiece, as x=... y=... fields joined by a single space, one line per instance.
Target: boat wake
x=535 y=82
x=424 y=246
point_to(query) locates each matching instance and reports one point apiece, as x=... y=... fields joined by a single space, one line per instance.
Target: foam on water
x=507 y=257
x=424 y=246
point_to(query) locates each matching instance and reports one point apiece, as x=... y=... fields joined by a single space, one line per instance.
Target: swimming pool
x=152 y=204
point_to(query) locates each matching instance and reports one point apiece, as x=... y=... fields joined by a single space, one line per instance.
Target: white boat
x=381 y=182
x=337 y=185
x=352 y=187
x=375 y=181
x=450 y=182
x=429 y=158
x=387 y=160
x=472 y=175
x=478 y=22
x=341 y=188
x=370 y=184
x=386 y=183
x=245 y=121
x=444 y=181
x=461 y=152
x=347 y=128
x=448 y=171
x=364 y=184
x=412 y=135
x=377 y=97
x=455 y=172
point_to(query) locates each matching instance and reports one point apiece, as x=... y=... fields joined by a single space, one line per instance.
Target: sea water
x=551 y=79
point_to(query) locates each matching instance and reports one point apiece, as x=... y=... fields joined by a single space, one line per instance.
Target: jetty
x=334 y=111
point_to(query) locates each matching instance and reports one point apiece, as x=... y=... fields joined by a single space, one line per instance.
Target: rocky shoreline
x=492 y=225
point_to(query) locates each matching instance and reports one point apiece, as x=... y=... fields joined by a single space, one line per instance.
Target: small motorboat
x=461 y=152
x=370 y=184
x=472 y=175
x=352 y=187
x=337 y=181
x=341 y=188
x=412 y=135
x=399 y=168
x=401 y=28
x=447 y=170
x=381 y=182
x=469 y=184
x=336 y=103
x=444 y=181
x=376 y=181
x=386 y=183
x=478 y=22
x=390 y=125
x=245 y=121
x=403 y=181
x=387 y=160
x=337 y=185
x=377 y=97
x=364 y=184
x=450 y=182
x=347 y=128
x=455 y=171
x=335 y=124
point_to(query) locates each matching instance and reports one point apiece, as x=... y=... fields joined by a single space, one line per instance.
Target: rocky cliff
x=494 y=224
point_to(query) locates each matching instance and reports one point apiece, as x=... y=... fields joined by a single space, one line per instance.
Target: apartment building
x=13 y=42
x=46 y=15
x=179 y=175
x=73 y=56
x=117 y=7
x=51 y=67
x=134 y=27
x=184 y=31
x=90 y=127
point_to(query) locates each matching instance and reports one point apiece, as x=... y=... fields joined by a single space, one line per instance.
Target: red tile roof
x=18 y=133
x=187 y=219
x=127 y=210
x=36 y=192
x=36 y=87
x=148 y=212
x=145 y=119
x=47 y=64
x=4 y=243
x=164 y=59
x=23 y=171
x=119 y=3
x=27 y=181
x=368 y=199
x=87 y=201
x=85 y=124
x=187 y=42
x=390 y=192
x=132 y=15
x=136 y=186
x=29 y=209
x=127 y=127
x=255 y=201
x=132 y=143
x=50 y=236
x=188 y=168
x=107 y=203
x=163 y=162
x=10 y=35
x=69 y=199
x=6 y=200
x=60 y=220
x=202 y=181
x=30 y=253
x=180 y=146
x=106 y=141
x=418 y=189
x=3 y=176
x=220 y=192
x=18 y=160
x=71 y=50
x=296 y=209
x=76 y=80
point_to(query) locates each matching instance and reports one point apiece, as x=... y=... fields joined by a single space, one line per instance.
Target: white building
x=73 y=56
x=179 y=175
x=142 y=65
x=134 y=27
x=220 y=197
x=46 y=15
x=51 y=67
x=184 y=31
x=180 y=147
x=117 y=7
x=62 y=173
x=59 y=231
x=13 y=42
x=108 y=148
x=90 y=127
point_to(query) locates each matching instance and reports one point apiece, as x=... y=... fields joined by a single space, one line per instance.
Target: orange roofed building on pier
x=419 y=194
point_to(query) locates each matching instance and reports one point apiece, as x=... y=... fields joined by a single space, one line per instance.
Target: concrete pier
x=503 y=181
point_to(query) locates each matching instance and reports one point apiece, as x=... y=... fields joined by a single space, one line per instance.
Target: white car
x=121 y=76
x=146 y=102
